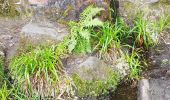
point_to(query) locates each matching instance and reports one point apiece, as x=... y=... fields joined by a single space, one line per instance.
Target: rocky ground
x=155 y=85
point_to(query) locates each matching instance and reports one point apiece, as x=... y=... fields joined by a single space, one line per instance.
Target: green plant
x=141 y=32
x=35 y=67
x=5 y=92
x=111 y=36
x=163 y=23
x=1 y=71
x=108 y=38
x=81 y=31
x=7 y=8
x=39 y=72
x=134 y=64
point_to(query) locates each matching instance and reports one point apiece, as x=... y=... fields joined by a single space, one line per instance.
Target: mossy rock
x=92 y=76
x=95 y=87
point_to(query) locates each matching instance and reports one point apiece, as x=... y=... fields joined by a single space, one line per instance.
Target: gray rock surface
x=44 y=32
x=92 y=68
x=150 y=8
x=64 y=9
x=157 y=86
x=88 y=68
x=9 y=41
x=154 y=89
x=143 y=90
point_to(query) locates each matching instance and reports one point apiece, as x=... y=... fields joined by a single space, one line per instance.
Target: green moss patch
x=7 y=8
x=95 y=87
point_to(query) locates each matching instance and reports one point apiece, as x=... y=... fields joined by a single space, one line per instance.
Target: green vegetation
x=7 y=8
x=110 y=37
x=38 y=71
x=95 y=87
x=81 y=31
x=36 y=65
x=1 y=71
x=133 y=60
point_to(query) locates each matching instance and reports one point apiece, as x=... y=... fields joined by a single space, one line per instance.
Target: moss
x=7 y=8
x=95 y=87
x=1 y=71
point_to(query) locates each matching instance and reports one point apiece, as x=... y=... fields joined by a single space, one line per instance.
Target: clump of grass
x=111 y=36
x=163 y=23
x=142 y=36
x=5 y=92
x=37 y=70
x=145 y=32
x=135 y=65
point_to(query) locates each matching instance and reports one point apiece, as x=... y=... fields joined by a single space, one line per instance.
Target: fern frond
x=72 y=44
x=81 y=31
x=85 y=34
x=93 y=23
x=89 y=13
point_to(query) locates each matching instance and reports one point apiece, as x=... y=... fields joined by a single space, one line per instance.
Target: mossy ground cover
x=8 y=9
x=96 y=87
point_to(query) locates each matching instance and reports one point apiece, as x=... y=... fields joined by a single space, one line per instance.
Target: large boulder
x=89 y=68
x=150 y=8
x=67 y=9
x=44 y=32
x=93 y=76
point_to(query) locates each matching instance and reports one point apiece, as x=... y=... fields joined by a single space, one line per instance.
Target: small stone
x=1 y=53
x=6 y=37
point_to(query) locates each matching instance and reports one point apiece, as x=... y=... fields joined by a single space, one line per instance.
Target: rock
x=1 y=53
x=89 y=68
x=143 y=90
x=91 y=76
x=5 y=37
x=38 y=2
x=9 y=45
x=154 y=89
x=67 y=9
x=44 y=32
x=150 y=8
